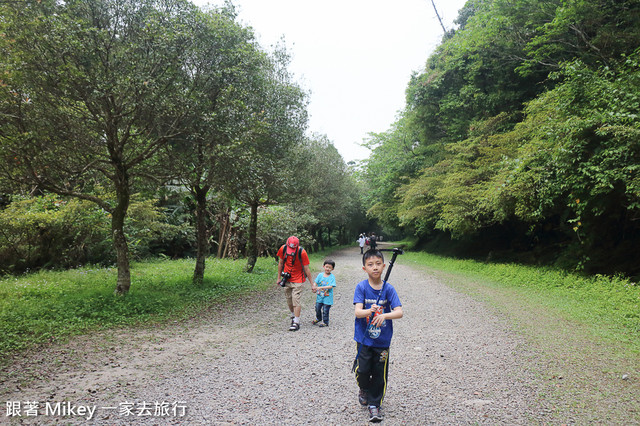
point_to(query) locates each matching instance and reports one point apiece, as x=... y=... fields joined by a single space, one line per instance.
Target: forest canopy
x=134 y=128
x=141 y=128
x=520 y=138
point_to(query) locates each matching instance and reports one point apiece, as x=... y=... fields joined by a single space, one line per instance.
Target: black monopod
x=396 y=252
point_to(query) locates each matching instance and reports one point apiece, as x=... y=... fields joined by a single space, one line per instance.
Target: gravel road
x=453 y=361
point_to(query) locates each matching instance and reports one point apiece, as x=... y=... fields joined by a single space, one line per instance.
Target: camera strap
x=297 y=254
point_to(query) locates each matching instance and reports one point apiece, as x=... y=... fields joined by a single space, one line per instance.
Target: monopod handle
x=396 y=252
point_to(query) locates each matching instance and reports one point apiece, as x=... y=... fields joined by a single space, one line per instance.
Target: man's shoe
x=315 y=321
x=362 y=397
x=323 y=325
x=294 y=326
x=375 y=415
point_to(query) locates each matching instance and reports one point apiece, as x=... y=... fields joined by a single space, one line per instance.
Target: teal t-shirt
x=325 y=296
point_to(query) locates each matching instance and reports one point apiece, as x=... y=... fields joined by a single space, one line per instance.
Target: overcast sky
x=355 y=57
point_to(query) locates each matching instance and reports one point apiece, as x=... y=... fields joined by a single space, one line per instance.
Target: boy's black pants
x=372 y=372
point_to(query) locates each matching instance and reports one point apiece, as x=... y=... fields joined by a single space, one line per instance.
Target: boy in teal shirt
x=325 y=284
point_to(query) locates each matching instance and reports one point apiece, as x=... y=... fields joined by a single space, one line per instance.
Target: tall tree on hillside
x=397 y=155
x=576 y=168
x=525 y=127
x=91 y=93
x=221 y=71
x=469 y=81
x=261 y=160
x=596 y=32
x=327 y=188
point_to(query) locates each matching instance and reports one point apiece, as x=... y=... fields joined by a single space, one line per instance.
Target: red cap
x=292 y=244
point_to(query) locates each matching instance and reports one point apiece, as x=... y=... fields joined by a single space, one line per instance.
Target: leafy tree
x=396 y=157
x=261 y=158
x=90 y=97
x=594 y=32
x=522 y=119
x=579 y=156
x=456 y=194
x=220 y=77
x=468 y=82
x=328 y=192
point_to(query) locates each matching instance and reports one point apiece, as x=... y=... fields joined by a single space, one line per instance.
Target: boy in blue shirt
x=373 y=336
x=325 y=284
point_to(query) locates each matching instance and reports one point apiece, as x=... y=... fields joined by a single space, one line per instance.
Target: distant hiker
x=325 y=283
x=373 y=241
x=361 y=241
x=294 y=261
x=376 y=305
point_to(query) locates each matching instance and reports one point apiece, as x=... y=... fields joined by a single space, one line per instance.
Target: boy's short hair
x=372 y=253
x=329 y=262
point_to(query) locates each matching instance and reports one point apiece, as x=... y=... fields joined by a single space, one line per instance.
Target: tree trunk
x=315 y=245
x=119 y=239
x=226 y=244
x=202 y=237
x=252 y=246
x=319 y=238
x=222 y=235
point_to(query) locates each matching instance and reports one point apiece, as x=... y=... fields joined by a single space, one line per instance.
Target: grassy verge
x=583 y=330
x=49 y=306
x=610 y=306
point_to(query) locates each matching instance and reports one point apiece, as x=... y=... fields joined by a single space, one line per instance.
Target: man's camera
x=285 y=277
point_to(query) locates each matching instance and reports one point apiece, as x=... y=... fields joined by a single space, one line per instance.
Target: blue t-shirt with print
x=389 y=300
x=325 y=296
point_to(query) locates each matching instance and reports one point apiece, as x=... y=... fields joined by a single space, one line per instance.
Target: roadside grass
x=584 y=332
x=49 y=306
x=608 y=306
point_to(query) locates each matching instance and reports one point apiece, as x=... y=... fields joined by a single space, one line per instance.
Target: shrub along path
x=454 y=360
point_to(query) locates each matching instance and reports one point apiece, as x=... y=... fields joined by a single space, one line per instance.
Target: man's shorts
x=293 y=293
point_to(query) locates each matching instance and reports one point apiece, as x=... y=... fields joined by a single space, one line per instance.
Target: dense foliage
x=520 y=137
x=146 y=118
x=55 y=232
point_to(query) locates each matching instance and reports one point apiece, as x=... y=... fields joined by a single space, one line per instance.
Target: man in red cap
x=295 y=261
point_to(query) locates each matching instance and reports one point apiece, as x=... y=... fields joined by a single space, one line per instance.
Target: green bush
x=49 y=231
x=150 y=233
x=53 y=232
x=275 y=225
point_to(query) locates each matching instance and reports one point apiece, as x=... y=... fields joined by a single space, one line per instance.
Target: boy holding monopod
x=376 y=306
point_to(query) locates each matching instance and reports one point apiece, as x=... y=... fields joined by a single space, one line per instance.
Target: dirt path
x=453 y=361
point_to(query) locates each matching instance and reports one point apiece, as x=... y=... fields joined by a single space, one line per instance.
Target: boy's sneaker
x=315 y=321
x=362 y=397
x=323 y=325
x=375 y=415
